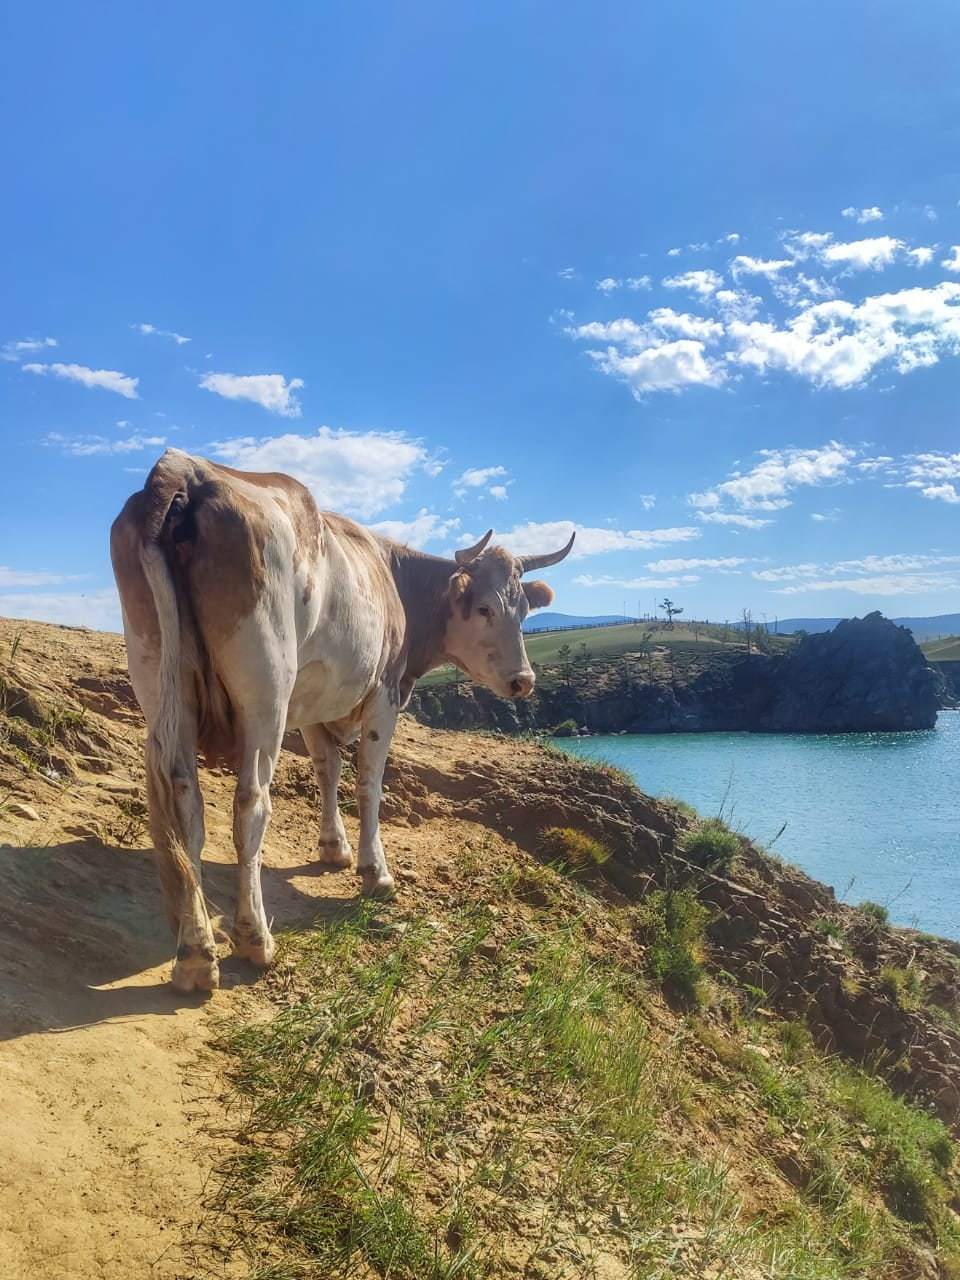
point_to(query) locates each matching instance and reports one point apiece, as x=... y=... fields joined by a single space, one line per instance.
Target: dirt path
x=111 y=1100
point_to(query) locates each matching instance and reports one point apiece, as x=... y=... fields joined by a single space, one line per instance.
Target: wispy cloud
x=886 y=575
x=636 y=584
x=534 y=536
x=702 y=282
x=98 y=609
x=152 y=329
x=768 y=485
x=723 y=564
x=105 y=379
x=89 y=446
x=32 y=577
x=610 y=284
x=271 y=391
x=25 y=347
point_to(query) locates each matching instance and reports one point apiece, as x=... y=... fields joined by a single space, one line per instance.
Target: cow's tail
x=165 y=768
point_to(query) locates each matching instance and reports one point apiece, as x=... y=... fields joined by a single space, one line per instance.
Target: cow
x=247 y=611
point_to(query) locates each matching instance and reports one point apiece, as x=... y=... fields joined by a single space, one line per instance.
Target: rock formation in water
x=866 y=674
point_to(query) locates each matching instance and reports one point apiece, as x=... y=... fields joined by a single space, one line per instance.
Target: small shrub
x=904 y=986
x=672 y=923
x=681 y=806
x=829 y=927
x=875 y=911
x=566 y=729
x=711 y=845
x=574 y=849
x=796 y=1040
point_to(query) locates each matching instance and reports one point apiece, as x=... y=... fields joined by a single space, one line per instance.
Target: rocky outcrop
x=867 y=674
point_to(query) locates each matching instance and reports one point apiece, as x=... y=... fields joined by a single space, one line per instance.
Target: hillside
x=867 y=674
x=592 y=1036
x=550 y=621
x=945 y=650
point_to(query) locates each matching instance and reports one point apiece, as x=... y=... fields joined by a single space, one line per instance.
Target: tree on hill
x=670 y=609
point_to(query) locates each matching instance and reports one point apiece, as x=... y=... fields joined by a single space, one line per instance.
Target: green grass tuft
x=711 y=845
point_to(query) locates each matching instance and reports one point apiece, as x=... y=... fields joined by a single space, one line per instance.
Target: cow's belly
x=322 y=694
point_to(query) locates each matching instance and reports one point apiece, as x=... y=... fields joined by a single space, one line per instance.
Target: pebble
x=21 y=810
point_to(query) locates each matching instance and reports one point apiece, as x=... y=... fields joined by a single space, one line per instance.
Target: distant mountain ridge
x=559 y=621
x=943 y=624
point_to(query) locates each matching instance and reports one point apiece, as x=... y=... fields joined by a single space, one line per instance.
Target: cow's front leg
x=376 y=731
x=334 y=847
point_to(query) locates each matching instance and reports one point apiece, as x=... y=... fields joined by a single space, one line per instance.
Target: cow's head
x=488 y=604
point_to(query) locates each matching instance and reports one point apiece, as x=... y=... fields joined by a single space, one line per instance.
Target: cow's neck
x=423 y=584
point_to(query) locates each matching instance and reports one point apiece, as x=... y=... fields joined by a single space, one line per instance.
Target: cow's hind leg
x=376 y=731
x=261 y=735
x=334 y=847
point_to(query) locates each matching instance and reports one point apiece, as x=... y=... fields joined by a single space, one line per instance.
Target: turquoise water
x=876 y=815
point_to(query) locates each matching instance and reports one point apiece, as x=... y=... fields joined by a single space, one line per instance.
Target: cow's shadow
x=80 y=916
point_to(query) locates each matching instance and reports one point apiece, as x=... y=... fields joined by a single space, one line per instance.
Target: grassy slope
x=492 y=1084
x=945 y=650
x=607 y=644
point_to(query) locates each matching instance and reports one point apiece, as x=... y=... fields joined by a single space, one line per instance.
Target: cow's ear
x=538 y=594
x=461 y=592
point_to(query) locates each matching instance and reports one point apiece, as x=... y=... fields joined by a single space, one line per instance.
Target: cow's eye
x=484 y=611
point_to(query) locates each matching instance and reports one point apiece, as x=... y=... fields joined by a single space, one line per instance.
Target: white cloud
x=732 y=238
x=922 y=255
x=942 y=493
x=674 y=253
x=635 y=584
x=91 y=445
x=476 y=478
x=702 y=282
x=634 y=283
x=825 y=517
x=885 y=585
x=425 y=527
x=534 y=537
x=721 y=563
x=97 y=609
x=25 y=347
x=840 y=343
x=733 y=518
x=357 y=472
x=768 y=484
x=743 y=265
x=873 y=214
x=567 y=273
x=670 y=366
x=952 y=263
x=647 y=500
x=498 y=491
x=270 y=390
x=889 y=575
x=178 y=338
x=106 y=379
x=863 y=255
x=32 y=577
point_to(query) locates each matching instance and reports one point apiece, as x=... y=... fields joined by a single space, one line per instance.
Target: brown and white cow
x=247 y=612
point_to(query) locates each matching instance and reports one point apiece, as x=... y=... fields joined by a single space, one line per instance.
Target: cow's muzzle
x=521 y=685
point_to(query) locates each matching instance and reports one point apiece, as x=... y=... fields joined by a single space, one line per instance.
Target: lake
x=873 y=814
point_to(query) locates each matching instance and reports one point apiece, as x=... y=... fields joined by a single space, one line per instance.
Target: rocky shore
x=867 y=674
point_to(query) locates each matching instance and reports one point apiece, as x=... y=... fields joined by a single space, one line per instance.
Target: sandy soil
x=108 y=1132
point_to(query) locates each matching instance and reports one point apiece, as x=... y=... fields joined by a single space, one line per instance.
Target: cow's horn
x=464 y=558
x=541 y=562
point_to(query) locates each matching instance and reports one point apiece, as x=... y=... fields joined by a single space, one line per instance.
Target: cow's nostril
x=521 y=686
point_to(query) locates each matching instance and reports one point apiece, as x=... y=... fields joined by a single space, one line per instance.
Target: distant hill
x=943 y=624
x=557 y=621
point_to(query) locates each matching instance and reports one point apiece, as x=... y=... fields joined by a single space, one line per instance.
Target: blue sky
x=685 y=276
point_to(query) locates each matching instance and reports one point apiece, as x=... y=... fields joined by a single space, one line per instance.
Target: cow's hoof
x=258 y=948
x=335 y=853
x=378 y=886
x=195 y=969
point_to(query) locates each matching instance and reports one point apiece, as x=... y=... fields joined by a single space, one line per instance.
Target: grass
x=874 y=911
x=903 y=985
x=494 y=1090
x=672 y=924
x=711 y=845
x=946 y=649
x=573 y=850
